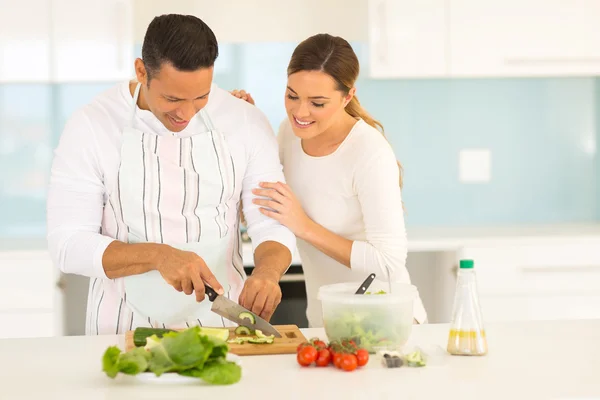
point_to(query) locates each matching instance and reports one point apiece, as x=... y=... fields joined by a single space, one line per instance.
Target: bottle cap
x=466 y=264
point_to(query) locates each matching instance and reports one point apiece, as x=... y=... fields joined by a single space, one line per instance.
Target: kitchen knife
x=231 y=310
x=363 y=287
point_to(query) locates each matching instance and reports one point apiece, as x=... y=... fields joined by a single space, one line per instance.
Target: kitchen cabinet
x=524 y=38
x=483 y=38
x=66 y=41
x=24 y=41
x=547 y=279
x=92 y=40
x=407 y=38
x=30 y=295
x=270 y=20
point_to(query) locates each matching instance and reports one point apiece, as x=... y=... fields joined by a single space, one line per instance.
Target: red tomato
x=307 y=356
x=302 y=345
x=319 y=344
x=337 y=360
x=362 y=357
x=323 y=358
x=348 y=362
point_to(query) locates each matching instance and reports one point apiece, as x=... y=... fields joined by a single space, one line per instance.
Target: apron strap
x=136 y=94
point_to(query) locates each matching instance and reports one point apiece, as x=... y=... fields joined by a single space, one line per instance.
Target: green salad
x=188 y=353
x=371 y=327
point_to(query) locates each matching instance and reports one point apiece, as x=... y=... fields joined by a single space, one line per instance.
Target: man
x=146 y=187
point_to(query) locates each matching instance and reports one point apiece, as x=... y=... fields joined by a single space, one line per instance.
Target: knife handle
x=363 y=287
x=210 y=292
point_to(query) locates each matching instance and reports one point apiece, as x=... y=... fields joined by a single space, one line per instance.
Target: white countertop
x=534 y=360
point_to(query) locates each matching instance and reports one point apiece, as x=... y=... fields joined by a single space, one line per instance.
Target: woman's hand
x=242 y=94
x=282 y=205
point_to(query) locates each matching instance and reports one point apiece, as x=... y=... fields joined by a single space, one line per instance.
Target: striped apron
x=177 y=190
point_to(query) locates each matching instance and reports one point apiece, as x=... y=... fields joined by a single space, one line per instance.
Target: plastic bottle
x=467 y=334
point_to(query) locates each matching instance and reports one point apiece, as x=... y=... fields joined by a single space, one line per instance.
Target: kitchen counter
x=533 y=360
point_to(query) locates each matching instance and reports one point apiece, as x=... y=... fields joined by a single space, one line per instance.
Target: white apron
x=177 y=190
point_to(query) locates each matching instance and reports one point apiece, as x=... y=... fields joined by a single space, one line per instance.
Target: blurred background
x=493 y=108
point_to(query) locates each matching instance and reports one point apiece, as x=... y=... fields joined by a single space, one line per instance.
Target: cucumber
x=248 y=316
x=141 y=334
x=262 y=340
x=219 y=333
x=253 y=339
x=415 y=359
x=243 y=330
x=240 y=340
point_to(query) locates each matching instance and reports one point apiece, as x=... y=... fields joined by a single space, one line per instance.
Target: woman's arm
x=376 y=184
x=285 y=208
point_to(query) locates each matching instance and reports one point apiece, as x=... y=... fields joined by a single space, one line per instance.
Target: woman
x=343 y=198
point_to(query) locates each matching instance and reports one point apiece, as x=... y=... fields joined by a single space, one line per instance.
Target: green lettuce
x=188 y=353
x=130 y=363
x=178 y=351
x=217 y=371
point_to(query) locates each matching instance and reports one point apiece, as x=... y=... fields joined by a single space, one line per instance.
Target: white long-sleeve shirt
x=353 y=192
x=87 y=160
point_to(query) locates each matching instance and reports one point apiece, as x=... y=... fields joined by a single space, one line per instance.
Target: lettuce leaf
x=217 y=372
x=178 y=351
x=131 y=363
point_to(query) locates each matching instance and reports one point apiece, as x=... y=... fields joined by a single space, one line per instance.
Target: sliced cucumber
x=240 y=340
x=262 y=340
x=415 y=359
x=253 y=339
x=219 y=333
x=243 y=330
x=248 y=316
x=259 y=333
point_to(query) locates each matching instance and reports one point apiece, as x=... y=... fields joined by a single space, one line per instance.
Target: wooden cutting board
x=290 y=338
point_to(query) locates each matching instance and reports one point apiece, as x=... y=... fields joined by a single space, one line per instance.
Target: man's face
x=174 y=96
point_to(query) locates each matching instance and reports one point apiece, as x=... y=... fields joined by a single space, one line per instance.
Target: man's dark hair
x=184 y=41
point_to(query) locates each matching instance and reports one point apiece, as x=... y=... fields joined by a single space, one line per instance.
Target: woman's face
x=313 y=103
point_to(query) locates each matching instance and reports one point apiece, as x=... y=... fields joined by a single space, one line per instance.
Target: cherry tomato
x=319 y=344
x=348 y=362
x=362 y=357
x=301 y=345
x=323 y=358
x=307 y=356
x=337 y=360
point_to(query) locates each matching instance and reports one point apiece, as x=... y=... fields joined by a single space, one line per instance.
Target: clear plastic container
x=467 y=333
x=374 y=321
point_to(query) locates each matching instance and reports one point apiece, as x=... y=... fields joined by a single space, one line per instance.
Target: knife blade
x=231 y=310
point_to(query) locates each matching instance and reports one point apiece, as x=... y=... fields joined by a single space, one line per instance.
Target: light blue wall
x=542 y=134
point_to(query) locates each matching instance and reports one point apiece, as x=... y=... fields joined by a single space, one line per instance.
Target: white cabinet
x=524 y=37
x=24 y=41
x=483 y=38
x=407 y=38
x=30 y=297
x=539 y=279
x=92 y=40
x=66 y=40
